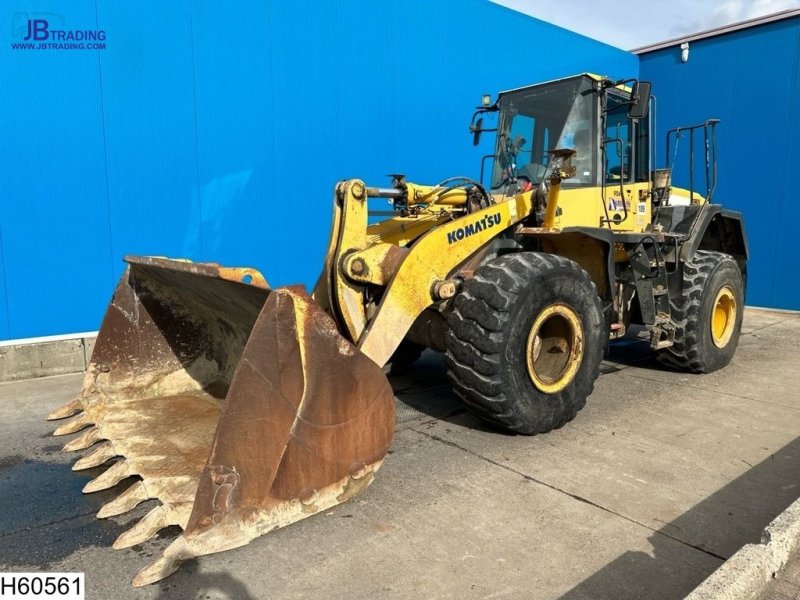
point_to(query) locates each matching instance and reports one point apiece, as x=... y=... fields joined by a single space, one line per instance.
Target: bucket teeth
x=69 y=409
x=127 y=500
x=84 y=440
x=173 y=557
x=96 y=457
x=76 y=424
x=154 y=521
x=109 y=478
x=187 y=372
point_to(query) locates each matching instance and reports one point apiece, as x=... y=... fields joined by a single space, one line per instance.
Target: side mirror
x=640 y=100
x=476 y=130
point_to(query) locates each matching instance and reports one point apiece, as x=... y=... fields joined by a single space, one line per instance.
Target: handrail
x=710 y=146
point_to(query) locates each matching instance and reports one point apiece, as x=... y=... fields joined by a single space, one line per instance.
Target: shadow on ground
x=191 y=583
x=425 y=390
x=737 y=513
x=45 y=517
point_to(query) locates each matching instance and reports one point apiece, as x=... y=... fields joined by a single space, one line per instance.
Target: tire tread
x=684 y=354
x=475 y=341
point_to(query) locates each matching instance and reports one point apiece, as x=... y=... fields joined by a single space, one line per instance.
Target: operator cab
x=537 y=119
x=570 y=113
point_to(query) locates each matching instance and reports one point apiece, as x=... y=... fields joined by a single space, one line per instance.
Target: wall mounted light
x=685 y=52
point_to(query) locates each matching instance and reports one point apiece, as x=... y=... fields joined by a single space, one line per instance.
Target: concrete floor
x=659 y=479
x=786 y=586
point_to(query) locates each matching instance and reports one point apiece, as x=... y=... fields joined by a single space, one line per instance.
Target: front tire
x=525 y=341
x=708 y=316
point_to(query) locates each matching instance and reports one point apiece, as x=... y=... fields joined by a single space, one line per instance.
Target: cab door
x=625 y=182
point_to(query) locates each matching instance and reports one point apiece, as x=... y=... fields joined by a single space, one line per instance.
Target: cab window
x=617 y=143
x=536 y=120
x=625 y=147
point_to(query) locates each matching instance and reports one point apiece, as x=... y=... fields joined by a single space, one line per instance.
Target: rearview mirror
x=476 y=131
x=640 y=100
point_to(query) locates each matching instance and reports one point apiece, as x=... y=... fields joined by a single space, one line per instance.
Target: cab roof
x=592 y=76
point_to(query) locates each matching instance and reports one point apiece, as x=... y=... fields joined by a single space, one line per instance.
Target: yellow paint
x=598 y=78
x=243 y=275
x=431 y=259
x=552 y=204
x=443 y=237
x=583 y=207
x=430 y=206
x=351 y=237
x=723 y=317
x=434 y=195
x=580 y=207
x=403 y=230
x=554 y=349
x=370 y=265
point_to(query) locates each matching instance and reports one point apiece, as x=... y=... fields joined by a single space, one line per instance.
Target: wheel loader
x=242 y=408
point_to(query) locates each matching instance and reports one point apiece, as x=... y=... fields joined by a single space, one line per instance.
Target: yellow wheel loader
x=242 y=408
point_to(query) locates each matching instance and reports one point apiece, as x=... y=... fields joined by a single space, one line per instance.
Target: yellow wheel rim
x=723 y=317
x=554 y=349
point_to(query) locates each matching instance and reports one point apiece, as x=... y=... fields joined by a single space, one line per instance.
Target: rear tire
x=525 y=341
x=708 y=316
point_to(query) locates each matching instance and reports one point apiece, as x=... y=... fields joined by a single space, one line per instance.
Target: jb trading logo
x=45 y=31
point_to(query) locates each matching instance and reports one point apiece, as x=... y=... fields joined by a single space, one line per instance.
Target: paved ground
x=660 y=478
x=786 y=586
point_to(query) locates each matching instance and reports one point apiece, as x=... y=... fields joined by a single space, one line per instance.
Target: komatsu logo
x=486 y=222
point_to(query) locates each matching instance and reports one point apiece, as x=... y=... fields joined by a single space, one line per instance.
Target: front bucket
x=241 y=409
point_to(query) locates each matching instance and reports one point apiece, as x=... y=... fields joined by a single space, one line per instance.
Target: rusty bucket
x=239 y=408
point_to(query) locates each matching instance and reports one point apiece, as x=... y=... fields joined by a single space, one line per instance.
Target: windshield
x=535 y=120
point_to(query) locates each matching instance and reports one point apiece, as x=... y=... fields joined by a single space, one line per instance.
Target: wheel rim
x=555 y=348
x=723 y=317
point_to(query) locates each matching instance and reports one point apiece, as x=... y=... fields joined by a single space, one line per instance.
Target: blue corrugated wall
x=216 y=131
x=751 y=80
